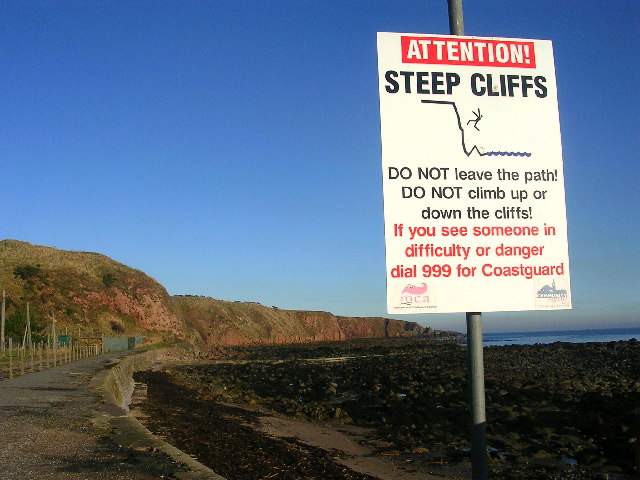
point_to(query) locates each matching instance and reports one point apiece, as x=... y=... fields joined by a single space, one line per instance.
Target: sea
x=570 y=336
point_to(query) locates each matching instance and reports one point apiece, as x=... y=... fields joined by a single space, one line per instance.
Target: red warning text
x=468 y=51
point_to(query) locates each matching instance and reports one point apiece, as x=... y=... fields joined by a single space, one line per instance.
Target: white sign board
x=474 y=203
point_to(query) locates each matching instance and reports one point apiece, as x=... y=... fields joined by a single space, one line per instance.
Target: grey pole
x=474 y=334
x=456 y=20
x=476 y=388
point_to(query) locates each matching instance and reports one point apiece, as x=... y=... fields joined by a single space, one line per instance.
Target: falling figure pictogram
x=475 y=120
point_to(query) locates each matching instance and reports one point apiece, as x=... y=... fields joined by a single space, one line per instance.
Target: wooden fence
x=17 y=360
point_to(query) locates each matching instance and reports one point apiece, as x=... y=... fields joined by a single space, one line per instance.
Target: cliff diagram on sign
x=474 y=122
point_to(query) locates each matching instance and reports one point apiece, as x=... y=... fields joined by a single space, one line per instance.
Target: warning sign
x=474 y=202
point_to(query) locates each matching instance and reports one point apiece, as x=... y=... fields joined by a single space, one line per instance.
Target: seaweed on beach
x=550 y=408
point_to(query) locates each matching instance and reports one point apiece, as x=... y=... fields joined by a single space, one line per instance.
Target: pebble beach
x=558 y=410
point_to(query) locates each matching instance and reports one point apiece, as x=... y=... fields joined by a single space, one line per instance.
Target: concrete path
x=50 y=429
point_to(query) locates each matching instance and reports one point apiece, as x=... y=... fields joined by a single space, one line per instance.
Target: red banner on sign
x=472 y=52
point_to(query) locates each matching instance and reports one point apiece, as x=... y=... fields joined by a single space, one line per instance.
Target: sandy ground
x=352 y=446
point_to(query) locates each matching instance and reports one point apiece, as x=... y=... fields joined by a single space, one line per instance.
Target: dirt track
x=48 y=430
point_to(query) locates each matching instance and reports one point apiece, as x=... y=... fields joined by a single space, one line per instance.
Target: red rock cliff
x=238 y=323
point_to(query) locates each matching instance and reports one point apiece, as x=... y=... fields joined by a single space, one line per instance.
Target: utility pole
x=26 y=329
x=2 y=321
x=474 y=335
x=54 y=337
x=29 y=339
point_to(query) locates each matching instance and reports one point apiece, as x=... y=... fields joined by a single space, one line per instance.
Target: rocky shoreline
x=554 y=411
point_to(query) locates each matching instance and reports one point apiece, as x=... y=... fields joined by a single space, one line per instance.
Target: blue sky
x=232 y=148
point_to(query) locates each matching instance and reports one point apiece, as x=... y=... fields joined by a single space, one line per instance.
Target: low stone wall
x=115 y=384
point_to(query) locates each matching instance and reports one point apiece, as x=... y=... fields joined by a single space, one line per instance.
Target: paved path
x=50 y=430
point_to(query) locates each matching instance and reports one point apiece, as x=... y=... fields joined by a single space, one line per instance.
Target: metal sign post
x=476 y=388
x=474 y=335
x=475 y=217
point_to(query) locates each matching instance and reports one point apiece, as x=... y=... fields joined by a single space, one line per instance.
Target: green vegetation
x=27 y=272
x=15 y=323
x=108 y=279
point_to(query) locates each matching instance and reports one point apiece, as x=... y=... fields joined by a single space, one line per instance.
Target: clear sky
x=232 y=148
